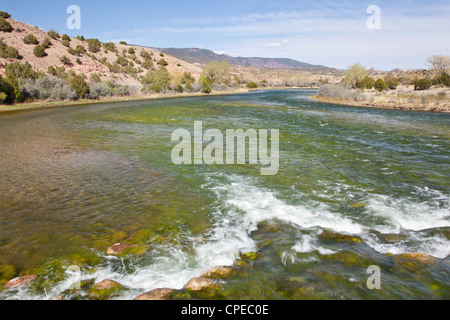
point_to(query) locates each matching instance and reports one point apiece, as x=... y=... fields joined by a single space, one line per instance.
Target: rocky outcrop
x=157 y=295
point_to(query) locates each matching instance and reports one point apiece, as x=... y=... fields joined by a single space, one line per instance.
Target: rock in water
x=20 y=281
x=119 y=248
x=157 y=294
x=105 y=289
x=220 y=273
x=414 y=261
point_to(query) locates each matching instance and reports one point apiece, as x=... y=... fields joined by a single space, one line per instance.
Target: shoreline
x=63 y=103
x=371 y=104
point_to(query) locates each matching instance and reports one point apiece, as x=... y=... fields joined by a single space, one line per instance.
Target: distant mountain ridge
x=204 y=56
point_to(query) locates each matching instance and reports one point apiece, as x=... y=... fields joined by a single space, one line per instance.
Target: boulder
x=105 y=289
x=220 y=272
x=156 y=295
x=19 y=281
x=331 y=236
x=119 y=248
x=199 y=284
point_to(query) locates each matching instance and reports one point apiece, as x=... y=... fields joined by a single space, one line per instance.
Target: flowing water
x=355 y=188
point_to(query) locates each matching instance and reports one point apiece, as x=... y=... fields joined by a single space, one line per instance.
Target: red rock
x=19 y=281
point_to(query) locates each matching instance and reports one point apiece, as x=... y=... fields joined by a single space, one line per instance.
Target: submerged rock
x=201 y=287
x=157 y=294
x=331 y=236
x=105 y=289
x=119 y=248
x=19 y=281
x=414 y=261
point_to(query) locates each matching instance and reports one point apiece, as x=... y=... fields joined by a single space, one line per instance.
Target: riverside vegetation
x=426 y=90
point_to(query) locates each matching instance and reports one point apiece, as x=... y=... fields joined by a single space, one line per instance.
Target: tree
x=80 y=49
x=5 y=26
x=46 y=43
x=354 y=75
x=39 y=51
x=131 y=51
x=17 y=92
x=391 y=82
x=252 y=85
x=80 y=86
x=440 y=64
x=217 y=72
x=65 y=37
x=21 y=71
x=163 y=62
x=380 y=85
x=8 y=52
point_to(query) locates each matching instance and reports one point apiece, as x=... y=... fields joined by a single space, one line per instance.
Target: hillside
x=85 y=63
x=203 y=56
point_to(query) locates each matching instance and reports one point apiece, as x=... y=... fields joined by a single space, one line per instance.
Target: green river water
x=356 y=187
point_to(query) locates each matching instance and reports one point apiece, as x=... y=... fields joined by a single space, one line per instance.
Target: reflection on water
x=76 y=180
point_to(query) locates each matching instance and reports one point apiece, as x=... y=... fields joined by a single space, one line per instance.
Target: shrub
x=30 y=39
x=65 y=60
x=109 y=46
x=444 y=79
x=65 y=37
x=80 y=49
x=122 y=61
x=131 y=51
x=5 y=15
x=146 y=55
x=66 y=43
x=5 y=26
x=48 y=88
x=53 y=34
x=39 y=51
x=16 y=92
x=252 y=85
x=81 y=38
x=340 y=91
x=123 y=42
x=422 y=84
x=95 y=78
x=72 y=51
x=205 y=85
x=380 y=85
x=366 y=83
x=46 y=43
x=80 y=86
x=98 y=90
x=94 y=45
x=392 y=83
x=8 y=52
x=163 y=62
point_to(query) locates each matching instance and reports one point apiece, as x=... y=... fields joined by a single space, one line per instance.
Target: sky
x=331 y=33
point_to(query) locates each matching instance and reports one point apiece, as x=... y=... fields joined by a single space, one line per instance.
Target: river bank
x=435 y=100
x=61 y=103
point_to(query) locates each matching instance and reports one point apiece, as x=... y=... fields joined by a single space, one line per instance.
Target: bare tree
x=439 y=64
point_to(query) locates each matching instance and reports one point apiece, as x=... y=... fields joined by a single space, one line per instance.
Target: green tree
x=46 y=43
x=205 y=84
x=80 y=86
x=80 y=49
x=17 y=92
x=252 y=85
x=163 y=62
x=39 y=51
x=131 y=51
x=65 y=37
x=391 y=82
x=354 y=75
x=380 y=85
x=217 y=72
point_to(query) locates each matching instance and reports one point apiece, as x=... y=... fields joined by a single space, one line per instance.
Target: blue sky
x=332 y=33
